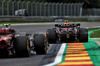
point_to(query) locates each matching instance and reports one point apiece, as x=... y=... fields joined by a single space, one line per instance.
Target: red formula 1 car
x=12 y=42
x=67 y=33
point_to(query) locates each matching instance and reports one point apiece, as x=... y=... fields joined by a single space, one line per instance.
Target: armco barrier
x=46 y=19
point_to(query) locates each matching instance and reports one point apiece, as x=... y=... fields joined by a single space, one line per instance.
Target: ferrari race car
x=12 y=42
x=67 y=33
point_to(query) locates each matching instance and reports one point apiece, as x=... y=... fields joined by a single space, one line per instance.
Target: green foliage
x=87 y=3
x=93 y=28
x=95 y=34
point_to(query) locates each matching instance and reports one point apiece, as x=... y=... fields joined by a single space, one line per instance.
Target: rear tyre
x=51 y=36
x=21 y=45
x=83 y=35
x=40 y=44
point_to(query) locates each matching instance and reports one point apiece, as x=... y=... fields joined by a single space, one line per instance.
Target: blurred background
x=49 y=10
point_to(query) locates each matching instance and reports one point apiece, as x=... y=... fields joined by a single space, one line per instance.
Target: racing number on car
x=67 y=35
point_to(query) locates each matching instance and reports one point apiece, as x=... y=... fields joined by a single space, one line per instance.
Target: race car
x=18 y=45
x=67 y=33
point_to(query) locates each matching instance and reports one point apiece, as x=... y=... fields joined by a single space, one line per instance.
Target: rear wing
x=66 y=25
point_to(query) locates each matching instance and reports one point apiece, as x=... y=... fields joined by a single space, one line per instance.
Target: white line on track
x=59 y=56
x=35 y=24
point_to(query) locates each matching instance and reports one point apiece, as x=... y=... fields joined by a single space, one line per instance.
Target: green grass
x=95 y=34
x=93 y=28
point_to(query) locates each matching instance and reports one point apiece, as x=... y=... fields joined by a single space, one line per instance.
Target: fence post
x=74 y=14
x=52 y=6
x=45 y=10
x=13 y=5
x=68 y=9
x=64 y=9
x=41 y=7
x=81 y=9
x=48 y=11
x=8 y=8
x=18 y=5
x=3 y=7
x=36 y=7
x=32 y=8
x=22 y=7
x=71 y=9
x=60 y=8
x=27 y=6
x=57 y=9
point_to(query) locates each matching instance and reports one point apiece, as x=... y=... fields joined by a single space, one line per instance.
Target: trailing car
x=18 y=45
x=67 y=33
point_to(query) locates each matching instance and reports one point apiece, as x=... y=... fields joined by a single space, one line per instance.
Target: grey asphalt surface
x=36 y=60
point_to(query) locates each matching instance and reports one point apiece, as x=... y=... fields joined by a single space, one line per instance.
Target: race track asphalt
x=37 y=60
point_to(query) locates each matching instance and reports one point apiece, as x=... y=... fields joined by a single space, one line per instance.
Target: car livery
x=18 y=45
x=67 y=33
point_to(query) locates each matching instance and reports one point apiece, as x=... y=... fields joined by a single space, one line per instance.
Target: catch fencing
x=8 y=8
x=91 y=12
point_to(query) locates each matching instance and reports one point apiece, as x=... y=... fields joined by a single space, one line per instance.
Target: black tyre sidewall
x=39 y=43
x=83 y=35
x=51 y=35
x=21 y=45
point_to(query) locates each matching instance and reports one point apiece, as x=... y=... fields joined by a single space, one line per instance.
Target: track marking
x=59 y=56
x=76 y=56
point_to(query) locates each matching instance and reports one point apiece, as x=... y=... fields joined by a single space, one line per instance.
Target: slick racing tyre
x=51 y=36
x=39 y=43
x=21 y=45
x=83 y=35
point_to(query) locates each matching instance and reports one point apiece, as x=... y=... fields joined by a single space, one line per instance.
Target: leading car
x=67 y=33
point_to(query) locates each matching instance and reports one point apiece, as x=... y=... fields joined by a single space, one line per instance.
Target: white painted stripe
x=35 y=24
x=59 y=56
x=32 y=24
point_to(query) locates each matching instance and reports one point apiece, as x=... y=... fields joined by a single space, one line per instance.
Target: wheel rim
x=28 y=50
x=47 y=35
x=44 y=45
x=27 y=45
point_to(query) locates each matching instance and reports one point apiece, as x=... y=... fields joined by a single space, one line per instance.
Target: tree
x=87 y=3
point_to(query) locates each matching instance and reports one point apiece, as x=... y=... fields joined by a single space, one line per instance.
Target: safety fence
x=91 y=12
x=8 y=8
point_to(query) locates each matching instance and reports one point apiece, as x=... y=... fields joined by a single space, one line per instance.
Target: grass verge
x=95 y=34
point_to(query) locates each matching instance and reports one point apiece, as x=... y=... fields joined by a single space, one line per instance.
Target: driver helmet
x=66 y=22
x=6 y=27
